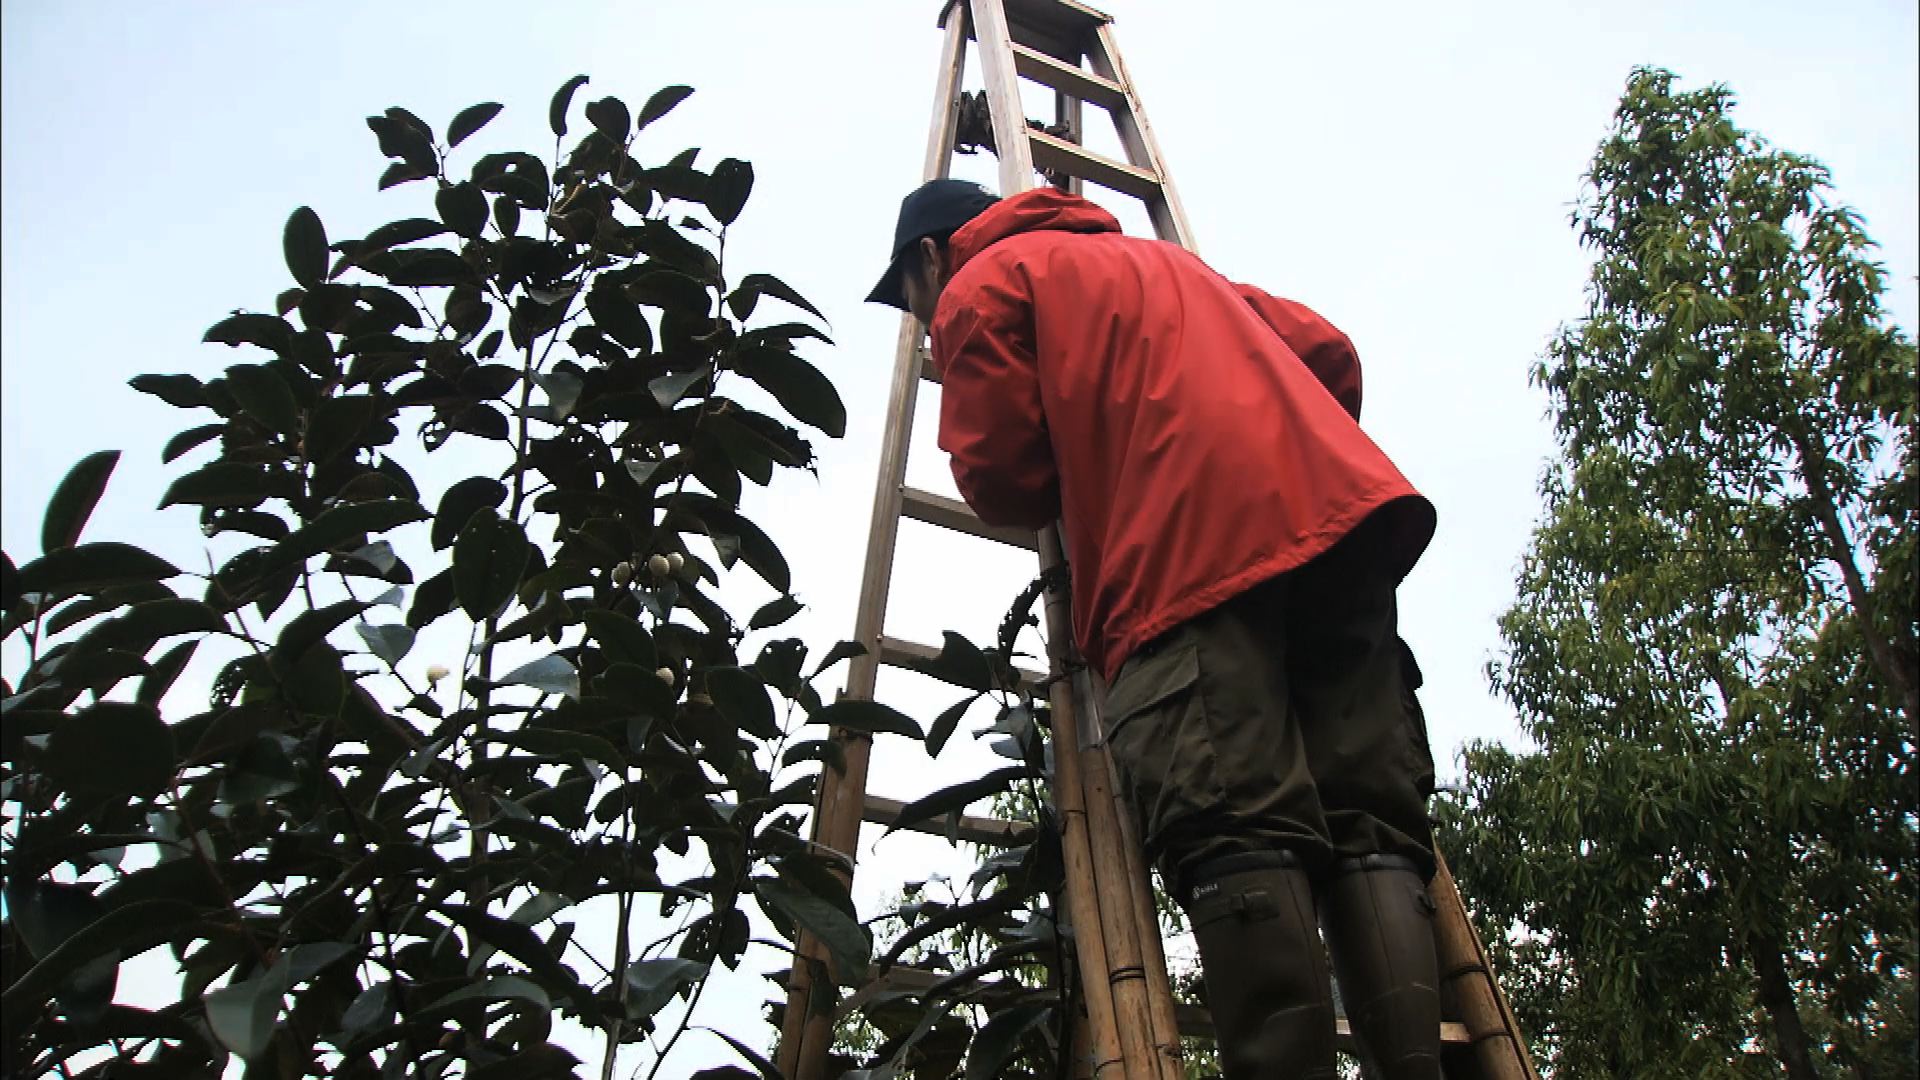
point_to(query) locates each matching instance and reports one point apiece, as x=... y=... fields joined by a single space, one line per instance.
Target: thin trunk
x=1776 y=997
x=1894 y=661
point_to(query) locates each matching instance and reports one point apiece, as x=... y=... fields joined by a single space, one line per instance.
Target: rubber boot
x=1379 y=923
x=1266 y=972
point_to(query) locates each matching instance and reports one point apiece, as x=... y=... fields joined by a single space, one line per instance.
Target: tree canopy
x=1706 y=863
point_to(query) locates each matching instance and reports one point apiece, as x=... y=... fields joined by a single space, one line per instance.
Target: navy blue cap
x=937 y=206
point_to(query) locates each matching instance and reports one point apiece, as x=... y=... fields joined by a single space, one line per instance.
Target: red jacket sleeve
x=991 y=420
x=1323 y=348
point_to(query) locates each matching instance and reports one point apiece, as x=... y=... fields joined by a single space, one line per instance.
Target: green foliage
x=1706 y=866
x=360 y=871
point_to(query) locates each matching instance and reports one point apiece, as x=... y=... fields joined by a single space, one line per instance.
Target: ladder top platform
x=1064 y=21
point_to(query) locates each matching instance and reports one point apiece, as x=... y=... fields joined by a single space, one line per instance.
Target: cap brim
x=889 y=291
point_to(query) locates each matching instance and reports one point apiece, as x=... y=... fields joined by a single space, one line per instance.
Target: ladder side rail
x=1493 y=1029
x=1136 y=135
x=807 y=1036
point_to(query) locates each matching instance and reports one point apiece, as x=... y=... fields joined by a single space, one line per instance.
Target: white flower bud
x=436 y=673
x=665 y=675
x=622 y=573
x=658 y=566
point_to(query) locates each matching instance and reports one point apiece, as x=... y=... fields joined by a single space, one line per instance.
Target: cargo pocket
x=1161 y=742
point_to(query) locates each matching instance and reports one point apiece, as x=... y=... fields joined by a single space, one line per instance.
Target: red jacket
x=1122 y=386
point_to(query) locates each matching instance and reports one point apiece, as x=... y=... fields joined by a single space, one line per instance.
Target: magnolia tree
x=1708 y=865
x=362 y=866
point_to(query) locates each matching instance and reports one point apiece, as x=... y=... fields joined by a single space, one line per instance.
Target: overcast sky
x=1406 y=169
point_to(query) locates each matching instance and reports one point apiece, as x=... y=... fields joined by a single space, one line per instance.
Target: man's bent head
x=928 y=217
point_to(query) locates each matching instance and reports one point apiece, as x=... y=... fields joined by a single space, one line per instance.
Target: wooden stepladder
x=1132 y=1026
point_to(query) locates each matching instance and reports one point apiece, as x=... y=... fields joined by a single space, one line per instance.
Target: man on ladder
x=1235 y=545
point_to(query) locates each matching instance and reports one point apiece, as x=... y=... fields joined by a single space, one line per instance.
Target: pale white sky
x=1407 y=169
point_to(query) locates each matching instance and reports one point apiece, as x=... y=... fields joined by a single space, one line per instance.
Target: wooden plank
x=953 y=514
x=1053 y=152
x=974 y=830
x=1075 y=82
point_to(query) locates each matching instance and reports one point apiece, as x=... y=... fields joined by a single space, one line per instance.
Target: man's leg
x=1353 y=684
x=1198 y=728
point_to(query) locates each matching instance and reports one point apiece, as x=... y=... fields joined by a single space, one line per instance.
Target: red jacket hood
x=1029 y=211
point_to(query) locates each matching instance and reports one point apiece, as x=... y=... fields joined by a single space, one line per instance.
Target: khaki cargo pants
x=1284 y=719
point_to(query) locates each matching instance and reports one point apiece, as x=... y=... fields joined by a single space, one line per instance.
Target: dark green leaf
x=562 y=98
x=661 y=103
x=304 y=242
x=344 y=524
x=374 y=1007
x=113 y=746
x=999 y=1039
x=267 y=331
x=732 y=181
x=609 y=115
x=499 y=988
x=840 y=932
x=401 y=172
x=309 y=628
x=742 y=699
x=960 y=662
x=463 y=207
x=264 y=395
x=125 y=931
x=621 y=636
x=180 y=391
x=389 y=643
x=775 y=612
x=653 y=983
x=943 y=727
x=668 y=390
x=956 y=798
x=868 y=716
x=91 y=567
x=244 y=1014
x=219 y=483
x=798 y=386
x=843 y=650
x=336 y=425
x=488 y=559
x=73 y=501
x=768 y=285
x=461 y=502
x=405 y=231
x=165 y=670
x=553 y=674
x=469 y=120
x=189 y=439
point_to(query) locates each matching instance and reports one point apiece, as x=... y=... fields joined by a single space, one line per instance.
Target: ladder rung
x=954 y=514
x=1072 y=81
x=1057 y=154
x=974 y=830
x=911 y=655
x=1194 y=1020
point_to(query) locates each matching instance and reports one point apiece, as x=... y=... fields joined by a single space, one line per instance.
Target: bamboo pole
x=1165 y=1026
x=1116 y=969
x=1484 y=1011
